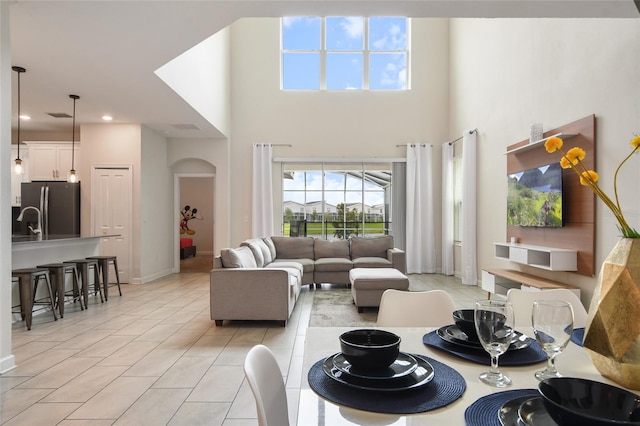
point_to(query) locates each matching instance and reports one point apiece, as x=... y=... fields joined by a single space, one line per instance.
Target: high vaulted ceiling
x=107 y=51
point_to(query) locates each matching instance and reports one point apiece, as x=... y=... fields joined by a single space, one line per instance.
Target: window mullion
x=323 y=54
x=365 y=56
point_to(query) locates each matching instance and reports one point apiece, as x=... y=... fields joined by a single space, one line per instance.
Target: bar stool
x=59 y=272
x=84 y=265
x=103 y=263
x=28 y=280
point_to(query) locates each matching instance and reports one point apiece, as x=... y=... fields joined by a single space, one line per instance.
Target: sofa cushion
x=371 y=247
x=333 y=249
x=241 y=257
x=307 y=264
x=372 y=262
x=289 y=266
x=293 y=247
x=333 y=264
x=272 y=248
x=260 y=251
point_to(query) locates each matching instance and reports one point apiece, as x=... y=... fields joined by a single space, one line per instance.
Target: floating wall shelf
x=549 y=258
x=536 y=144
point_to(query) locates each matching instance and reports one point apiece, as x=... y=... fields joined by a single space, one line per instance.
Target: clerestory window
x=344 y=53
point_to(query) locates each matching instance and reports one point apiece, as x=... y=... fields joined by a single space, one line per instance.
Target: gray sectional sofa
x=261 y=279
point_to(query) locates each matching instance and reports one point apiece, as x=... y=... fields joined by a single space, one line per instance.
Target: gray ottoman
x=368 y=284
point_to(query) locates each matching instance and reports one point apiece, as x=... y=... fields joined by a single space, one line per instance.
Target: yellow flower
x=553 y=144
x=572 y=159
x=575 y=155
x=588 y=176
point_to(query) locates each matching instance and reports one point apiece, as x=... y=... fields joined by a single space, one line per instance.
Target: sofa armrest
x=398 y=259
x=250 y=294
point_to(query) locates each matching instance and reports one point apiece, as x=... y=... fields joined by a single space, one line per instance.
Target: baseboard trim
x=155 y=276
x=7 y=363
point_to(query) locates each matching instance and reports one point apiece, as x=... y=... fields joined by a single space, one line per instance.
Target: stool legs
x=84 y=274
x=28 y=286
x=115 y=267
x=103 y=262
x=59 y=272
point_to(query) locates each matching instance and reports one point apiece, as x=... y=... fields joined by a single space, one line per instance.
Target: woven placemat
x=447 y=386
x=527 y=356
x=577 y=336
x=484 y=412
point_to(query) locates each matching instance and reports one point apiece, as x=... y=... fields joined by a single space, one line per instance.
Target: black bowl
x=465 y=320
x=368 y=349
x=573 y=401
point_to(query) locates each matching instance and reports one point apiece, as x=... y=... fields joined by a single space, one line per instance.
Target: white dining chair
x=431 y=308
x=522 y=302
x=265 y=380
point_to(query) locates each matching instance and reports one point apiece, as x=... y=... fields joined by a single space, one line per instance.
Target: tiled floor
x=153 y=357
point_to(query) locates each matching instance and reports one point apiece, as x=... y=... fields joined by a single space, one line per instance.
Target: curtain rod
x=414 y=144
x=460 y=138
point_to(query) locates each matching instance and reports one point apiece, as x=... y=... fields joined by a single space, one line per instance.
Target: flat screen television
x=534 y=197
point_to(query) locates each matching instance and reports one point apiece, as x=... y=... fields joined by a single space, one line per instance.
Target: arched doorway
x=194 y=206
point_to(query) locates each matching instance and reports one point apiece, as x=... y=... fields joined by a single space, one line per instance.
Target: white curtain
x=447 y=209
x=420 y=226
x=399 y=204
x=262 y=197
x=469 y=261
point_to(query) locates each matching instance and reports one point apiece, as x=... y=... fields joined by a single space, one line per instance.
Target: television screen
x=534 y=197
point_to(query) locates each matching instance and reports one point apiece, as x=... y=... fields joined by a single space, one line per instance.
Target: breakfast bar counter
x=28 y=251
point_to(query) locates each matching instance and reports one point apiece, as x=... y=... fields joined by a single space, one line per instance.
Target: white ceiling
x=107 y=51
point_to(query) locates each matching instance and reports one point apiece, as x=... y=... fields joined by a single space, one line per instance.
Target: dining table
x=323 y=342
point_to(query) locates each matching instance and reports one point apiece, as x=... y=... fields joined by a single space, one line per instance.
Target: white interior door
x=112 y=207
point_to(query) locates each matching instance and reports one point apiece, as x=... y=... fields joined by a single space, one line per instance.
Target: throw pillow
x=241 y=257
x=260 y=251
x=271 y=246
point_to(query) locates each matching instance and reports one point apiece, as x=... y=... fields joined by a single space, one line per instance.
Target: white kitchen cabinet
x=16 y=180
x=51 y=161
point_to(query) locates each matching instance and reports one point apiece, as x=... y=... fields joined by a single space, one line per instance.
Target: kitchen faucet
x=38 y=230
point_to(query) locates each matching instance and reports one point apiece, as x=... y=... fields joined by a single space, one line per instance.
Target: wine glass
x=494 y=324
x=552 y=322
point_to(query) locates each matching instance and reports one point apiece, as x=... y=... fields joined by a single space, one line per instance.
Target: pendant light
x=73 y=177
x=18 y=165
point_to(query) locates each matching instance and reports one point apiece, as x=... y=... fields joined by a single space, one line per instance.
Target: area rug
x=335 y=308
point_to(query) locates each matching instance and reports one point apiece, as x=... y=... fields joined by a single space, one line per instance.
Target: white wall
x=156 y=208
x=328 y=124
x=201 y=76
x=7 y=360
x=112 y=144
x=216 y=153
x=509 y=73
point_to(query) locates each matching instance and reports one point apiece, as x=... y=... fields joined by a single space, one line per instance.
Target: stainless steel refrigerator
x=59 y=203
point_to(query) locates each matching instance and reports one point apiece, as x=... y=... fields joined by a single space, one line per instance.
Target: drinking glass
x=552 y=322
x=494 y=324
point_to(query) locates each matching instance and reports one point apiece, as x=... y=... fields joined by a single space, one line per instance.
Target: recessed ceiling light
x=25 y=117
x=107 y=117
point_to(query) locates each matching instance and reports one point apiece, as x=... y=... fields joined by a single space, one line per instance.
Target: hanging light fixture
x=73 y=177
x=18 y=165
